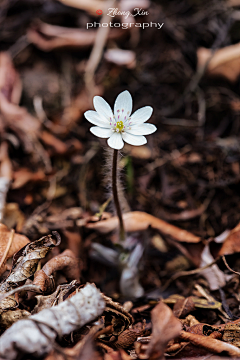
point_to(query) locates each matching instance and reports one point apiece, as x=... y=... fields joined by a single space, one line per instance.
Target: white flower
x=121 y=125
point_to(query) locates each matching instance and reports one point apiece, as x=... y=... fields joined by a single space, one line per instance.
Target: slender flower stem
x=115 y=194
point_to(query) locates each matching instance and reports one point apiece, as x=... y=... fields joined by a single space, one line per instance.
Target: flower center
x=119 y=126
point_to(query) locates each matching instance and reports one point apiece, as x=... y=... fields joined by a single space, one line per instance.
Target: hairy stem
x=115 y=194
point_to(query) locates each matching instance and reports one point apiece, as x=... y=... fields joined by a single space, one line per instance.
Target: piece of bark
x=231 y=334
x=9 y=317
x=37 y=334
x=210 y=344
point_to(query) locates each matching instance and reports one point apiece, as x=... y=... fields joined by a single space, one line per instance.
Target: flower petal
x=141 y=115
x=101 y=132
x=134 y=139
x=95 y=119
x=103 y=108
x=123 y=102
x=115 y=141
x=142 y=129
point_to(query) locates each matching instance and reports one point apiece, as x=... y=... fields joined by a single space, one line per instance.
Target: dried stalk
x=36 y=335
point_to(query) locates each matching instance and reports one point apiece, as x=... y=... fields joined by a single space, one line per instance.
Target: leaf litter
x=171 y=289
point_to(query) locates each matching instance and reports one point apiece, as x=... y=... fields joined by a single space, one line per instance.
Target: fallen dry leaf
x=22 y=176
x=224 y=62
x=59 y=295
x=215 y=277
x=231 y=244
x=15 y=117
x=182 y=307
x=139 y=221
x=26 y=260
x=18 y=242
x=165 y=328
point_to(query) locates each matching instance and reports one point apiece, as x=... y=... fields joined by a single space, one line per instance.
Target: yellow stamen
x=120 y=125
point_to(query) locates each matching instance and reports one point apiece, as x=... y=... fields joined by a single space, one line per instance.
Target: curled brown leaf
x=139 y=221
x=165 y=328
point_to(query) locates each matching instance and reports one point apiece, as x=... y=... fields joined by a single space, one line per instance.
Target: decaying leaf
x=116 y=316
x=60 y=294
x=215 y=277
x=127 y=338
x=231 y=334
x=24 y=175
x=231 y=244
x=198 y=302
x=165 y=328
x=13 y=217
x=25 y=263
x=17 y=243
x=26 y=260
x=140 y=221
x=224 y=62
x=36 y=335
x=15 y=117
x=11 y=316
x=183 y=307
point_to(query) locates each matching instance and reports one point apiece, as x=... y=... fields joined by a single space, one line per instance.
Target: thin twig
x=187 y=273
x=29 y=287
x=225 y=262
